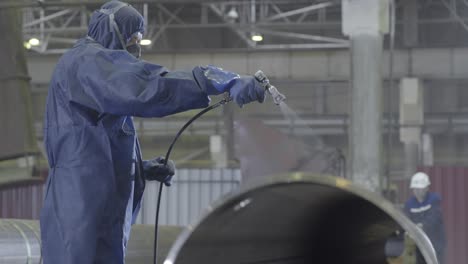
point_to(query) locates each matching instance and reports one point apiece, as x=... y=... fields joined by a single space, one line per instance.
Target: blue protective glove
x=247 y=89
x=242 y=89
x=155 y=170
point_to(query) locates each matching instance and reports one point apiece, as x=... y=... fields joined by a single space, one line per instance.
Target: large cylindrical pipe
x=20 y=242
x=296 y=219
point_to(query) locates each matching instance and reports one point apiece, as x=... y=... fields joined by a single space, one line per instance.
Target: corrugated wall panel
x=22 y=200
x=452 y=184
x=193 y=190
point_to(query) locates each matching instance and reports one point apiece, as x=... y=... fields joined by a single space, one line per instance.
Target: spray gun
x=263 y=79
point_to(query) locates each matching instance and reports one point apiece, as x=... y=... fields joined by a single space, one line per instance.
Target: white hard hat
x=420 y=180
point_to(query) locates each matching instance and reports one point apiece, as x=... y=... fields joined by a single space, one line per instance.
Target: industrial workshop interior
x=234 y=132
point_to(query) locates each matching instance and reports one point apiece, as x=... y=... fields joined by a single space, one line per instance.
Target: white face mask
x=420 y=194
x=135 y=50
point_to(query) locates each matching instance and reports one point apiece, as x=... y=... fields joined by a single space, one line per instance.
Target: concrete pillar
x=228 y=117
x=411 y=152
x=16 y=119
x=320 y=99
x=365 y=22
x=222 y=145
x=411 y=121
x=218 y=151
x=410 y=23
x=427 y=150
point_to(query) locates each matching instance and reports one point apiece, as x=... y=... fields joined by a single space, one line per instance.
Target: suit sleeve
x=113 y=82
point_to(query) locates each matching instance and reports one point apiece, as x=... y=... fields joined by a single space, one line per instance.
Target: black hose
x=156 y=222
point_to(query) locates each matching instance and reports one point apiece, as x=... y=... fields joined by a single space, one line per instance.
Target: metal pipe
x=20 y=242
x=289 y=219
x=296 y=218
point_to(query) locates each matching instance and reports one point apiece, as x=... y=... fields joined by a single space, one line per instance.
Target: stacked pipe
x=20 y=242
x=290 y=219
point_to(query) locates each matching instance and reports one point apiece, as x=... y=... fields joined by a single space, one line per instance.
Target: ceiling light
x=34 y=42
x=27 y=45
x=232 y=14
x=257 y=37
x=145 y=42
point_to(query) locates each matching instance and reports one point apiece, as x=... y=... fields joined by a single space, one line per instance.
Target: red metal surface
x=22 y=200
x=452 y=184
x=264 y=151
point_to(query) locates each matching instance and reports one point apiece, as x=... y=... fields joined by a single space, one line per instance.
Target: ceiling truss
x=59 y=26
x=176 y=25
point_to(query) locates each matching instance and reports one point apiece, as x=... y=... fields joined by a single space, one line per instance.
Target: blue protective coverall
x=429 y=214
x=95 y=181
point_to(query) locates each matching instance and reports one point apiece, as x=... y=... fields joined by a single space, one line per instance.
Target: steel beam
x=279 y=12
x=170 y=14
x=241 y=34
x=47 y=18
x=164 y=27
x=455 y=15
x=300 y=11
x=303 y=46
x=301 y=36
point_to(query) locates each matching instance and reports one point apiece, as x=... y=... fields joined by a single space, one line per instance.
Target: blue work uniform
x=95 y=183
x=429 y=214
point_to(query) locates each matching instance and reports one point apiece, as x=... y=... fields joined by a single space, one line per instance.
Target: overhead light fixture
x=145 y=42
x=232 y=14
x=34 y=42
x=257 y=37
x=27 y=45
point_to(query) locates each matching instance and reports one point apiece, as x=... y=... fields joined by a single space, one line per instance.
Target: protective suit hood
x=128 y=19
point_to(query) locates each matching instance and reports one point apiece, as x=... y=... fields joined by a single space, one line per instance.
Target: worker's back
x=428 y=215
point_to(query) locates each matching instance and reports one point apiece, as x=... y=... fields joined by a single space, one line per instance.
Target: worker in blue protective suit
x=97 y=176
x=424 y=209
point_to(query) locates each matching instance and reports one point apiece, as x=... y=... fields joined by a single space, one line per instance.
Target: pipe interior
x=291 y=224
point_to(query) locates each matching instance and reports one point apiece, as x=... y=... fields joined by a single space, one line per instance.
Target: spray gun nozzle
x=278 y=97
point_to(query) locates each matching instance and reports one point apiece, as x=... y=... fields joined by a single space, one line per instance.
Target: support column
x=228 y=116
x=320 y=99
x=218 y=151
x=427 y=150
x=365 y=22
x=410 y=23
x=17 y=130
x=411 y=121
x=411 y=152
x=222 y=144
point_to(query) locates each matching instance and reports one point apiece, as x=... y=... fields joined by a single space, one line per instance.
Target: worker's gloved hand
x=155 y=170
x=247 y=89
x=242 y=89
